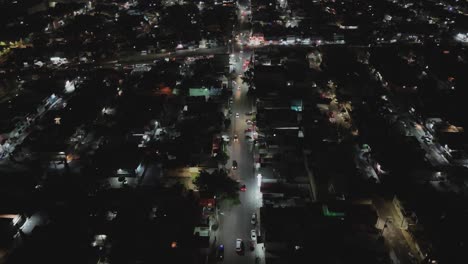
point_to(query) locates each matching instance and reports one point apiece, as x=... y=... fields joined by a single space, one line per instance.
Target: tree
x=227 y=123
x=218 y=183
x=247 y=80
x=249 y=73
x=222 y=157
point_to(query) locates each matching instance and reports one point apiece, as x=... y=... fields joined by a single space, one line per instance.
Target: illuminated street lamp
x=259 y=179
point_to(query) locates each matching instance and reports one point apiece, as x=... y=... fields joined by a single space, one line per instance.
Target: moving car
x=236 y=138
x=237 y=115
x=243 y=188
x=253 y=235
x=253 y=220
x=220 y=252
x=234 y=165
x=426 y=139
x=239 y=245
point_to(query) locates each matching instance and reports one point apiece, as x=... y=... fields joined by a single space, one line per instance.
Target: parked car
x=253 y=235
x=253 y=220
x=239 y=245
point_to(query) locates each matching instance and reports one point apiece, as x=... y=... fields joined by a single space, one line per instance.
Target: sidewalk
x=260 y=253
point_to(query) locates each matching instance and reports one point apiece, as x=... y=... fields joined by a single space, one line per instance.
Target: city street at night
x=233 y=131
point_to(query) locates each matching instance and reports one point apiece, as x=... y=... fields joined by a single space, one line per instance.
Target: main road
x=235 y=220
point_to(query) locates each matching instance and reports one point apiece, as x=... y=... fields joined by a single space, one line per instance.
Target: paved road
x=137 y=58
x=235 y=221
x=23 y=131
x=434 y=152
x=402 y=248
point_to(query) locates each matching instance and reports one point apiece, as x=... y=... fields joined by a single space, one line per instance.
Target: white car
x=239 y=245
x=253 y=221
x=237 y=115
x=253 y=235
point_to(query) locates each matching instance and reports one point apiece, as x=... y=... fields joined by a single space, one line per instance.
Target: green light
x=329 y=213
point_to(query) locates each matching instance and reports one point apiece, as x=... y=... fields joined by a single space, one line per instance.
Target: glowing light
x=69 y=86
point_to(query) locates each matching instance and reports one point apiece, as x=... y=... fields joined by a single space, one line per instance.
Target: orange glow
x=69 y=157
x=165 y=90
x=9 y=216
